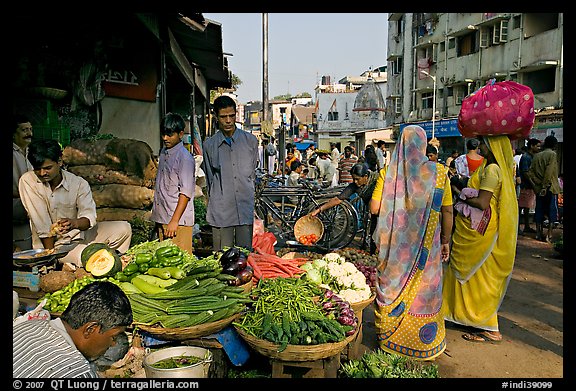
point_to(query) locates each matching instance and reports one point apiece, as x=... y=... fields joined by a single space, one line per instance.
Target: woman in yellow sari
x=480 y=266
x=413 y=234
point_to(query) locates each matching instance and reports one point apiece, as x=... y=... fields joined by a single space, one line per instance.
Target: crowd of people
x=445 y=235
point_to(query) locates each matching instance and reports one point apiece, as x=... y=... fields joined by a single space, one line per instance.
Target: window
x=516 y=20
x=451 y=43
x=429 y=52
x=427 y=100
x=397 y=66
x=459 y=94
x=467 y=44
x=539 y=23
x=494 y=34
x=397 y=105
x=332 y=116
x=541 y=81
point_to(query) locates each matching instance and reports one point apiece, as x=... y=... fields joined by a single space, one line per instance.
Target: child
x=173 y=207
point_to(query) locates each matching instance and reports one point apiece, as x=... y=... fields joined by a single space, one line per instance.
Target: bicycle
x=280 y=206
x=364 y=219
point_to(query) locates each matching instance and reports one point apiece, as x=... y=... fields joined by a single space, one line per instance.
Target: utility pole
x=265 y=124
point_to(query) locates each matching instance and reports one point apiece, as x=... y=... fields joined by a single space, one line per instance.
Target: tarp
x=303 y=145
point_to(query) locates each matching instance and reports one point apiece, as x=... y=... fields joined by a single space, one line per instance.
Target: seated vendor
x=61 y=207
x=67 y=347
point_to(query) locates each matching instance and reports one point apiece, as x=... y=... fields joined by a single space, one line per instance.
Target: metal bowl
x=39 y=256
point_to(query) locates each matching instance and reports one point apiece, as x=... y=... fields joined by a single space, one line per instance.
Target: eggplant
x=229 y=255
x=234 y=282
x=245 y=275
x=242 y=261
x=234 y=267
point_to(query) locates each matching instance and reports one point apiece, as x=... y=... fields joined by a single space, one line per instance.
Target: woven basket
x=184 y=333
x=247 y=287
x=307 y=225
x=359 y=306
x=295 y=352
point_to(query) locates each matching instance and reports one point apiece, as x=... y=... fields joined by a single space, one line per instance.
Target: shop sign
x=442 y=128
x=541 y=133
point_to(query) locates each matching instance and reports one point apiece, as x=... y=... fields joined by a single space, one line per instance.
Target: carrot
x=255 y=267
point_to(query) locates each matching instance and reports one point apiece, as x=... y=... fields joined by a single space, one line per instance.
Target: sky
x=302 y=47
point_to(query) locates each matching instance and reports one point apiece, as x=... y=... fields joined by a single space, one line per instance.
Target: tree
x=236 y=82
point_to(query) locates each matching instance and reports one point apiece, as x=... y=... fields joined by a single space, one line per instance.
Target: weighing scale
x=30 y=265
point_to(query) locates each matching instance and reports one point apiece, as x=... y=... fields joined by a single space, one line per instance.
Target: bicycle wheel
x=340 y=226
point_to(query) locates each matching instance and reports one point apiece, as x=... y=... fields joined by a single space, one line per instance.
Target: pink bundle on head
x=498 y=108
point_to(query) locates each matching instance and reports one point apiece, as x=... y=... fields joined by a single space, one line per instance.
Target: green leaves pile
x=379 y=364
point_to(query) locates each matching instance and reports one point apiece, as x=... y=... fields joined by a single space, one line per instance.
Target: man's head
x=550 y=142
x=348 y=151
x=21 y=131
x=225 y=110
x=381 y=144
x=296 y=166
x=533 y=145
x=46 y=159
x=96 y=315
x=172 y=129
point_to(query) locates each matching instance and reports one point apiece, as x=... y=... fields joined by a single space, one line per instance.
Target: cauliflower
x=350 y=267
x=333 y=257
x=340 y=276
x=336 y=270
x=354 y=296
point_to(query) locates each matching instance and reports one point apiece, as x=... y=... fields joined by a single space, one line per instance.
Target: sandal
x=483 y=336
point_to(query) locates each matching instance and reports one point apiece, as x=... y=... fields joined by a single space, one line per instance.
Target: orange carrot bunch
x=272 y=266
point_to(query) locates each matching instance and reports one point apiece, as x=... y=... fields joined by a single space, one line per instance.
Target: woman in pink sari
x=413 y=235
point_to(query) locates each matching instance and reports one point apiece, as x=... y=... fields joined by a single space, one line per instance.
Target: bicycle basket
x=307 y=225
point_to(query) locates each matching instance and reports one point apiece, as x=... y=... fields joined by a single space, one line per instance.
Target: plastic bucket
x=198 y=370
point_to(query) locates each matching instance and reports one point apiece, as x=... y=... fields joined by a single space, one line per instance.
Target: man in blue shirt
x=230 y=162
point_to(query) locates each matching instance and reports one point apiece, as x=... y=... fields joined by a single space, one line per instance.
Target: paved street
x=531 y=320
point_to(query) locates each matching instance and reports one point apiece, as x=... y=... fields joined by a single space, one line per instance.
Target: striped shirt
x=344 y=166
x=43 y=349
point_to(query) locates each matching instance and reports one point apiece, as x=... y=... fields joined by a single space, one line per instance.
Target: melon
x=100 y=260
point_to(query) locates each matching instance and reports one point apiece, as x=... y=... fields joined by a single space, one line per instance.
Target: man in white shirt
x=61 y=207
x=381 y=154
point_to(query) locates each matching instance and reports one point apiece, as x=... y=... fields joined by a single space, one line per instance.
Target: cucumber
x=144 y=286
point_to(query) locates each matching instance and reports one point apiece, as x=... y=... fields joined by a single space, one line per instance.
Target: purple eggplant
x=245 y=275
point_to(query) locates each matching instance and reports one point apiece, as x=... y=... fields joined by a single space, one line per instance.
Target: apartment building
x=436 y=59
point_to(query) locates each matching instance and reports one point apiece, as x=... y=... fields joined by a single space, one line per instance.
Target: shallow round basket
x=295 y=352
x=247 y=287
x=307 y=225
x=359 y=306
x=184 y=333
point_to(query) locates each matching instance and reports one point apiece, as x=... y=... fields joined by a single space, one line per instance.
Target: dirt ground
x=530 y=319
